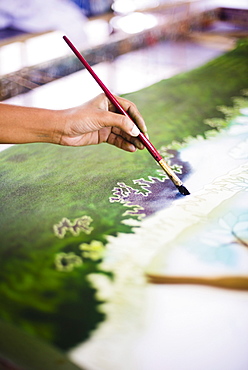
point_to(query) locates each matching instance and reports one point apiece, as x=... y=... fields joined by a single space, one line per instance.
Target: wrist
x=49 y=126
x=58 y=122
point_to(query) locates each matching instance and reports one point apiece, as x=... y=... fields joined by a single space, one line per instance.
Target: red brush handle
x=113 y=100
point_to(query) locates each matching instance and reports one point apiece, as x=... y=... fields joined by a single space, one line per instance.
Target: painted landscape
x=58 y=205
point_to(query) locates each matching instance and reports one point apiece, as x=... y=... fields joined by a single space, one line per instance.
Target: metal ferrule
x=170 y=173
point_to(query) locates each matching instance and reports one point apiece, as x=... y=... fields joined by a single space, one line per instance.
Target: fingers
x=123 y=123
x=121 y=143
x=130 y=139
x=134 y=113
x=119 y=138
x=112 y=118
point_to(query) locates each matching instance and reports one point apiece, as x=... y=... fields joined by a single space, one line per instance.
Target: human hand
x=97 y=122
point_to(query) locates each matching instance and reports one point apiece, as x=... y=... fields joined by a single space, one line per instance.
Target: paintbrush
x=153 y=151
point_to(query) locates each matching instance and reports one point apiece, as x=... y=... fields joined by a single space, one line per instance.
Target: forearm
x=28 y=125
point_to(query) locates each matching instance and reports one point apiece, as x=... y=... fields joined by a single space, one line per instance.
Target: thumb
x=124 y=123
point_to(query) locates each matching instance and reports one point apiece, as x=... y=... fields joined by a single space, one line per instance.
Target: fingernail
x=135 y=131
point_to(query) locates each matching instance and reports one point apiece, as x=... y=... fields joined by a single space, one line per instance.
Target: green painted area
x=41 y=184
x=176 y=108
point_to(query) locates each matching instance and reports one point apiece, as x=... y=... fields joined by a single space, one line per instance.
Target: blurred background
x=130 y=43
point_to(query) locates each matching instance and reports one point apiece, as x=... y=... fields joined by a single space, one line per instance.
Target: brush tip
x=183 y=190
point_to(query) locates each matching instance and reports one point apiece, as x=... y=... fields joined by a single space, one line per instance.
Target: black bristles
x=183 y=190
